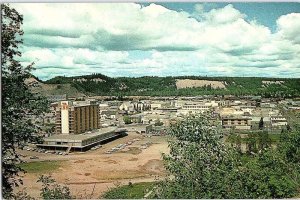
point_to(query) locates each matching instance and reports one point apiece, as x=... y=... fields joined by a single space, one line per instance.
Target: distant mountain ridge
x=99 y=84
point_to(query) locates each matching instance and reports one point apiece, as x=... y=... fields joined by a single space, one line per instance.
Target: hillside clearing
x=189 y=83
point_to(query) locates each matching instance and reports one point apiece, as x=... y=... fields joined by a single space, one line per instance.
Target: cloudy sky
x=166 y=39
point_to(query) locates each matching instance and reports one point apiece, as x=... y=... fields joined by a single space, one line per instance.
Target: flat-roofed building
x=81 y=142
x=140 y=128
x=193 y=108
x=278 y=121
x=236 y=122
x=76 y=117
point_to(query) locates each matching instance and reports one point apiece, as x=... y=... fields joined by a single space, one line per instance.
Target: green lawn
x=41 y=166
x=134 y=191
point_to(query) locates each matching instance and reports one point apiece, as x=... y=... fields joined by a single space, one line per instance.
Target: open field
x=90 y=174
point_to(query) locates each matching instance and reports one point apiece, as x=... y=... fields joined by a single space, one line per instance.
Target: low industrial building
x=81 y=142
x=139 y=128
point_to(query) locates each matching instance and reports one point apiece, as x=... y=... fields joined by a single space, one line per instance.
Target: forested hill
x=98 y=84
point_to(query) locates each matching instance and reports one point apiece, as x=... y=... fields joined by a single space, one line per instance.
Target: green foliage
x=268 y=175
x=236 y=140
x=52 y=190
x=263 y=140
x=198 y=160
x=251 y=144
x=130 y=191
x=17 y=100
x=201 y=166
x=127 y=119
x=158 y=123
x=289 y=145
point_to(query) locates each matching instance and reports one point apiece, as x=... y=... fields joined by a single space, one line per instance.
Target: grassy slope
x=135 y=191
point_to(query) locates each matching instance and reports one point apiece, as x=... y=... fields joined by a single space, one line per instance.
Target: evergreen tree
x=261 y=123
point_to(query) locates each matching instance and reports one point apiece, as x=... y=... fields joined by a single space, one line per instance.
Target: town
x=81 y=125
x=150 y=100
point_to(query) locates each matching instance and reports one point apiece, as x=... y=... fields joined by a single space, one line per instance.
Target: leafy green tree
x=201 y=166
x=127 y=119
x=280 y=167
x=267 y=176
x=52 y=190
x=238 y=143
x=198 y=160
x=289 y=146
x=17 y=100
x=264 y=141
x=251 y=144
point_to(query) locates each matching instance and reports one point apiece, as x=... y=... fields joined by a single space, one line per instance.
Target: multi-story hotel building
x=76 y=118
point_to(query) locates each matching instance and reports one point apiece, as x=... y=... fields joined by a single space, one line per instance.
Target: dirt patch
x=111 y=161
x=189 y=83
x=154 y=166
x=87 y=174
x=133 y=150
x=133 y=159
x=117 y=175
x=79 y=161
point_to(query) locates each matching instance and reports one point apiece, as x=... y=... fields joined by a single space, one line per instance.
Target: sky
x=161 y=39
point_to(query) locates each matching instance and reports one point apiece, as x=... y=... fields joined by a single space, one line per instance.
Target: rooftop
x=81 y=136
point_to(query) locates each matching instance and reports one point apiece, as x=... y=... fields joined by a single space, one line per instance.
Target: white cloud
x=228 y=14
x=89 y=38
x=289 y=27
